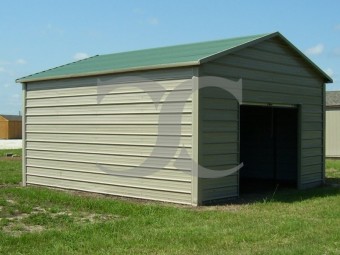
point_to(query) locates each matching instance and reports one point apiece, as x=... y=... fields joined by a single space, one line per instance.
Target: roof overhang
x=326 y=78
x=107 y=72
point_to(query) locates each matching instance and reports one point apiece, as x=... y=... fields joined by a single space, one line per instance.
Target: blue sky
x=37 y=35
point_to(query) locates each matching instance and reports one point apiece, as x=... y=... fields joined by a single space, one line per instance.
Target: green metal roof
x=156 y=58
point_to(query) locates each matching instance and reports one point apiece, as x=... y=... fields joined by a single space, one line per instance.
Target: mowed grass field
x=35 y=220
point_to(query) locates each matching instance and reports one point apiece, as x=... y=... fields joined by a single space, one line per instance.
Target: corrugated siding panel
x=219 y=131
x=272 y=74
x=162 y=195
x=332 y=133
x=119 y=170
x=80 y=138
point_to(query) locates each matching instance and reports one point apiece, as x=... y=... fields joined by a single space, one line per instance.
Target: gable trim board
x=120 y=132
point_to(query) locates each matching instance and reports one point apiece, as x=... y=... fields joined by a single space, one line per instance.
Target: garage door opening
x=268 y=147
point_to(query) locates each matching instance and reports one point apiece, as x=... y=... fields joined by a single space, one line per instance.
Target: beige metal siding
x=270 y=73
x=76 y=142
x=333 y=133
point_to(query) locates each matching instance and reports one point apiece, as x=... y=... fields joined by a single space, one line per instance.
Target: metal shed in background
x=156 y=124
x=10 y=127
x=333 y=124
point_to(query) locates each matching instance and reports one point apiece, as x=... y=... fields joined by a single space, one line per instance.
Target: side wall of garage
x=113 y=138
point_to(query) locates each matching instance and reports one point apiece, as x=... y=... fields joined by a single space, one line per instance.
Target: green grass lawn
x=10 y=170
x=333 y=172
x=44 y=221
x=11 y=151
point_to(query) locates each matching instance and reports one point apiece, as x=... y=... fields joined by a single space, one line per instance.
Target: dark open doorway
x=269 y=143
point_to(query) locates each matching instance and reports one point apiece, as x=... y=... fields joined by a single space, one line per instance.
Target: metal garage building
x=175 y=123
x=333 y=124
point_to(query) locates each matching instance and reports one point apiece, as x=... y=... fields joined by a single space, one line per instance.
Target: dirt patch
x=40 y=219
x=11 y=158
x=8 y=185
x=21 y=228
x=226 y=207
x=10 y=201
x=93 y=218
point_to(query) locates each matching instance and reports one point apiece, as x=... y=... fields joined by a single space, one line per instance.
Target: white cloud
x=153 y=21
x=330 y=72
x=4 y=63
x=138 y=11
x=15 y=100
x=316 y=50
x=80 y=56
x=21 y=61
x=337 y=51
x=144 y=18
x=7 y=71
x=52 y=29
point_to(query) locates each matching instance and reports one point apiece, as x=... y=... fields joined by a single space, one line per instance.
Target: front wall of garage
x=79 y=136
x=271 y=73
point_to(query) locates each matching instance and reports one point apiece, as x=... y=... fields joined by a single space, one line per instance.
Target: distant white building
x=333 y=124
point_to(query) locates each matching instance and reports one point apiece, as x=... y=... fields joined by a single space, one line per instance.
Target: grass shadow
x=283 y=194
x=333 y=181
x=293 y=195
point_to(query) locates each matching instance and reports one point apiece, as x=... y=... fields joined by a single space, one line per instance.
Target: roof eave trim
x=106 y=72
x=326 y=77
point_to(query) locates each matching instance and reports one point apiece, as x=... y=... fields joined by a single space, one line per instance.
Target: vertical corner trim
x=195 y=139
x=24 y=170
x=323 y=133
